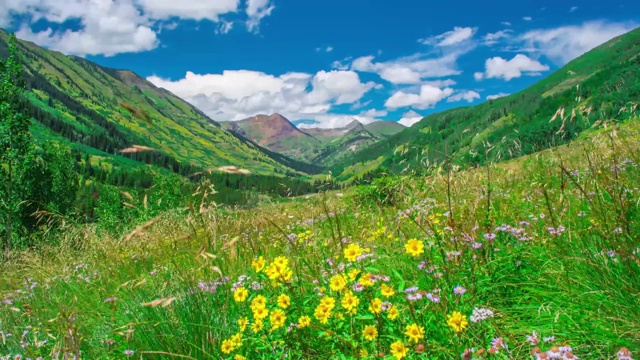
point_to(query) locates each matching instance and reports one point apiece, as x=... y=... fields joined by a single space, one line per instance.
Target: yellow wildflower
x=376 y=306
x=457 y=321
x=352 y=252
x=414 y=247
x=227 y=346
x=328 y=302
x=350 y=302
x=257 y=326
x=304 y=322
x=398 y=350
x=370 y=333
x=387 y=291
x=366 y=280
x=237 y=339
x=258 y=264
x=239 y=357
x=322 y=313
x=353 y=274
x=338 y=282
x=392 y=313
x=284 y=301
x=240 y=295
x=259 y=302
x=260 y=313
x=414 y=332
x=277 y=319
x=242 y=323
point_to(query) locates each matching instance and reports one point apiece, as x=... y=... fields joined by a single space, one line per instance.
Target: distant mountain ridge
x=317 y=146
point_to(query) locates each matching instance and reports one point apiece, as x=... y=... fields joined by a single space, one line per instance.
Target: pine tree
x=15 y=143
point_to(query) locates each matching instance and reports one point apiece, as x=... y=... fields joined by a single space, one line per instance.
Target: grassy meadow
x=537 y=257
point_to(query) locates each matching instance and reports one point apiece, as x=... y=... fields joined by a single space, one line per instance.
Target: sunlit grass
x=508 y=262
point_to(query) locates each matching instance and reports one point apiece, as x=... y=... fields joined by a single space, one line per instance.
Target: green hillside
x=341 y=147
x=110 y=110
x=601 y=85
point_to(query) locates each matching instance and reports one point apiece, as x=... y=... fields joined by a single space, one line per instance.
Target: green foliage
x=15 y=147
x=383 y=190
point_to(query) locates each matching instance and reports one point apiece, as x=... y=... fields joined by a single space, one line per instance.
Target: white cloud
x=478 y=75
x=440 y=83
x=527 y=18
x=184 y=9
x=429 y=96
x=564 y=44
x=332 y=121
x=497 y=96
x=456 y=36
x=573 y=9
x=224 y=27
x=500 y=68
x=409 y=118
x=506 y=23
x=411 y=69
x=239 y=94
x=494 y=38
x=109 y=27
x=468 y=95
x=327 y=49
x=344 y=87
x=256 y=11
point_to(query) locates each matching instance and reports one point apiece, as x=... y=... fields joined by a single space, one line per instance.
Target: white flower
x=480 y=314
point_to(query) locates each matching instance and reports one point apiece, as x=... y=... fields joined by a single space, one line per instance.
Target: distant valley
x=317 y=146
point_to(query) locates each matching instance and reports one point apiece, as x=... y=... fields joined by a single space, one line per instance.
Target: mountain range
x=313 y=145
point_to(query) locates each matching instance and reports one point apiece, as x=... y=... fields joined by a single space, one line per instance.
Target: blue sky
x=326 y=62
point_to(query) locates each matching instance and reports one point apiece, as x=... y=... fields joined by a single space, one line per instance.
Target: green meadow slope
x=602 y=84
x=109 y=110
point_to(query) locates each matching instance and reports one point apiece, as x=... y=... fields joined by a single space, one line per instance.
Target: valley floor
x=533 y=258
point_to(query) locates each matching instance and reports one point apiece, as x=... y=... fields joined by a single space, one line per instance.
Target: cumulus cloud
x=409 y=118
x=429 y=96
x=453 y=37
x=505 y=23
x=235 y=95
x=500 y=68
x=108 y=27
x=184 y=9
x=467 y=95
x=412 y=69
x=573 y=9
x=497 y=96
x=565 y=43
x=527 y=18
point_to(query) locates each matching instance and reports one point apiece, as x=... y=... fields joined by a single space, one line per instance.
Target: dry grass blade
x=140 y=229
x=163 y=302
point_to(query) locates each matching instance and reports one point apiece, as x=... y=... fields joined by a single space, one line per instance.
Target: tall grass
x=539 y=256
